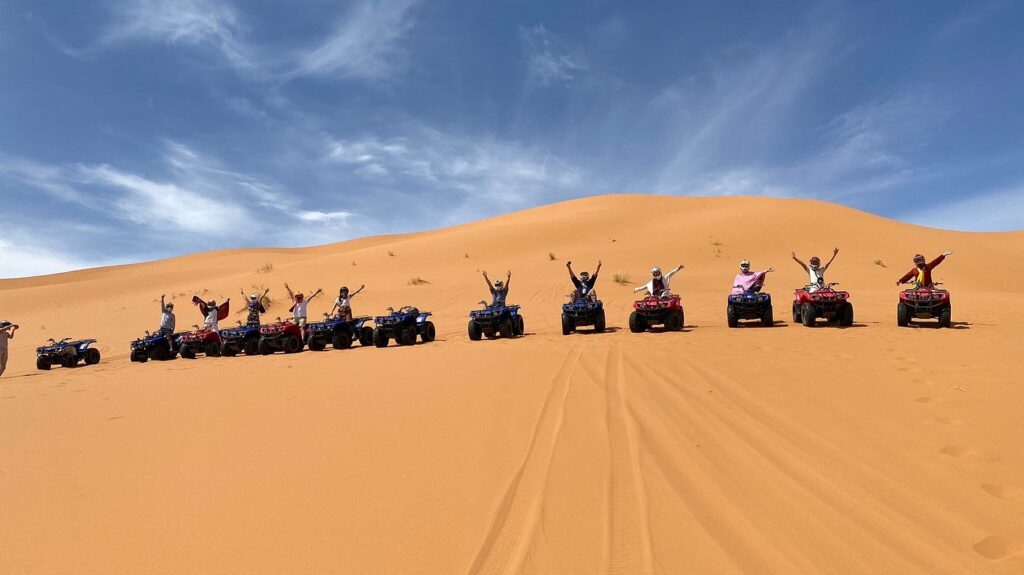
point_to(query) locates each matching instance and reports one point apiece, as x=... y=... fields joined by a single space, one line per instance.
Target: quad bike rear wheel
x=731 y=317
x=946 y=317
x=186 y=352
x=316 y=344
x=380 y=339
x=568 y=325
x=251 y=346
x=407 y=336
x=228 y=351
x=429 y=332
x=92 y=356
x=505 y=328
x=366 y=336
x=902 y=314
x=159 y=353
x=474 y=330
x=264 y=348
x=599 y=322
x=520 y=325
x=808 y=314
x=69 y=361
x=637 y=324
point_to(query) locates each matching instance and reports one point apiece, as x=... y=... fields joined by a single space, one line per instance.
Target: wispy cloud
x=549 y=59
x=996 y=210
x=364 y=44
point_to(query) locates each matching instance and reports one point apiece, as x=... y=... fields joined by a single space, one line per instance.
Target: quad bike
x=339 y=332
x=284 y=335
x=203 y=340
x=747 y=305
x=582 y=311
x=66 y=353
x=495 y=321
x=826 y=303
x=924 y=303
x=238 y=339
x=403 y=326
x=666 y=310
x=156 y=346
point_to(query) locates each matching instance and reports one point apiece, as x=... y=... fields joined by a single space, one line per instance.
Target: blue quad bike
x=495 y=321
x=340 y=333
x=403 y=326
x=582 y=312
x=155 y=346
x=749 y=305
x=66 y=353
x=239 y=339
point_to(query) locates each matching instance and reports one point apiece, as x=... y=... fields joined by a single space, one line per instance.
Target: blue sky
x=140 y=129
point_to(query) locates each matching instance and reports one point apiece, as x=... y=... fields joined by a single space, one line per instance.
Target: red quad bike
x=203 y=340
x=283 y=336
x=654 y=310
x=924 y=303
x=826 y=303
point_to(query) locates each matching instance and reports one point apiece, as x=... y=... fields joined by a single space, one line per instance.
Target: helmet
x=656 y=270
x=344 y=289
x=4 y=324
x=499 y=284
x=584 y=275
x=254 y=296
x=815 y=262
x=745 y=264
x=212 y=303
x=919 y=260
x=298 y=297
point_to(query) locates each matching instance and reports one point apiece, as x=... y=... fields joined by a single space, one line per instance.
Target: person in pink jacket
x=747 y=280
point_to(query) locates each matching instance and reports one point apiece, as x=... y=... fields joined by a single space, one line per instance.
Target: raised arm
x=572 y=274
x=797 y=260
x=907 y=276
x=939 y=259
x=487 y=281
x=291 y=295
x=641 y=288
x=671 y=273
x=163 y=306
x=835 y=252
x=597 y=270
x=353 y=294
x=508 y=280
x=314 y=294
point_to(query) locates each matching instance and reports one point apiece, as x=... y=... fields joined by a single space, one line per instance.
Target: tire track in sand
x=515 y=520
x=628 y=529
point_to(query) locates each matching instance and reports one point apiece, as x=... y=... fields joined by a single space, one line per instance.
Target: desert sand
x=870 y=449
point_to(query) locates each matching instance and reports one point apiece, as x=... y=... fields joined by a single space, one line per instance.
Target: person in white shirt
x=660 y=283
x=7 y=330
x=212 y=313
x=299 y=304
x=815 y=271
x=343 y=304
x=167 y=320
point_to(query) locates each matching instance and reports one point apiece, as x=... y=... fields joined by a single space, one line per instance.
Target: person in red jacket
x=921 y=273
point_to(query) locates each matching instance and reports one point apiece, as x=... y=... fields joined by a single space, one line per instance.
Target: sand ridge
x=864 y=450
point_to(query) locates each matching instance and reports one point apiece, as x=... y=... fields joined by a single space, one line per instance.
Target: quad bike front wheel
x=474 y=330
x=342 y=339
x=731 y=317
x=568 y=325
x=43 y=364
x=808 y=314
x=846 y=315
x=902 y=314
x=186 y=352
x=599 y=322
x=380 y=338
x=637 y=324
x=429 y=332
x=292 y=344
x=252 y=346
x=264 y=348
x=212 y=349
x=69 y=361
x=92 y=356
x=520 y=325
x=946 y=317
x=160 y=353
x=366 y=336
x=505 y=328
x=767 y=320
x=674 y=321
x=316 y=345
x=796 y=312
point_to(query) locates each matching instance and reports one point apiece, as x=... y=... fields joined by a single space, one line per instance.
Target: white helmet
x=254 y=296
x=655 y=270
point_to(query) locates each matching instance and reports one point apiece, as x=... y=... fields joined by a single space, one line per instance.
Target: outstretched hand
x=947 y=253
x=835 y=251
x=568 y=264
x=770 y=269
x=792 y=255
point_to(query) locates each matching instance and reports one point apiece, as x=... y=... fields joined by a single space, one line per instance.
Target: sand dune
x=871 y=449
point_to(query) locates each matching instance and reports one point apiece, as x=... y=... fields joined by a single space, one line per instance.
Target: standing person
x=7 y=330
x=343 y=304
x=212 y=313
x=660 y=283
x=255 y=306
x=584 y=282
x=499 y=291
x=815 y=271
x=921 y=273
x=167 y=319
x=747 y=280
x=298 y=309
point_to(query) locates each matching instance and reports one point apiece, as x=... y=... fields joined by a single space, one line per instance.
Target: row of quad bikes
x=404 y=326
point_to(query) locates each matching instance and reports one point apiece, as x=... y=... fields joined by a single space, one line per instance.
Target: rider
x=299 y=303
x=499 y=291
x=816 y=271
x=659 y=284
x=7 y=330
x=747 y=280
x=167 y=319
x=584 y=283
x=212 y=313
x=344 y=303
x=255 y=306
x=921 y=273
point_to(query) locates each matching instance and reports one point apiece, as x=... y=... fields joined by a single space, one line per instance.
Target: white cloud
x=999 y=210
x=363 y=45
x=549 y=59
